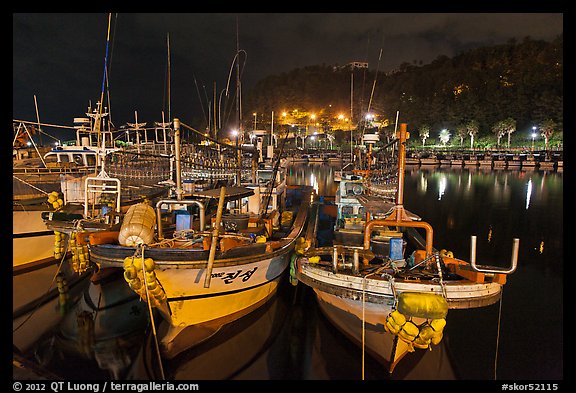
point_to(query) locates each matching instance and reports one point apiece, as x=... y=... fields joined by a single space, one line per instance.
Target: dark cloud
x=60 y=57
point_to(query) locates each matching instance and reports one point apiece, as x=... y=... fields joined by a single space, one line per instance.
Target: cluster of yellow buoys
x=420 y=336
x=107 y=200
x=80 y=255
x=59 y=241
x=430 y=307
x=55 y=200
x=136 y=277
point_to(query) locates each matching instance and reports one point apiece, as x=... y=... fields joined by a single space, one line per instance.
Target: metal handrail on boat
x=178 y=203
x=494 y=269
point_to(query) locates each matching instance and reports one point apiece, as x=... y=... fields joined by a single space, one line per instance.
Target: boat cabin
x=62 y=156
x=350 y=213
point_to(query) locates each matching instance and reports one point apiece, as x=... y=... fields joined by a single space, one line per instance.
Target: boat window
x=50 y=158
x=347 y=210
x=63 y=157
x=264 y=176
x=353 y=189
x=91 y=159
x=78 y=159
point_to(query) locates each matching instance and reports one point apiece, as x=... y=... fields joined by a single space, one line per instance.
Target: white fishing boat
x=392 y=293
x=202 y=269
x=44 y=285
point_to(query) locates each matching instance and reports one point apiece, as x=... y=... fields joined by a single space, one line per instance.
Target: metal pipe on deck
x=400 y=223
x=182 y=202
x=179 y=190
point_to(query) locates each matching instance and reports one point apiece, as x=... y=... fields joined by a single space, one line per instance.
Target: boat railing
x=53 y=170
x=494 y=269
x=95 y=186
x=402 y=223
x=355 y=258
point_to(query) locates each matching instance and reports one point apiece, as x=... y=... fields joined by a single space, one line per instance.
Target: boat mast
x=97 y=124
x=238 y=110
x=351 y=113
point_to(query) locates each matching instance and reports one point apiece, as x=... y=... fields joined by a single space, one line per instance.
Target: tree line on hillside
x=488 y=87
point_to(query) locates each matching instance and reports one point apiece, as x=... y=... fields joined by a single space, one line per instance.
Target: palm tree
x=509 y=125
x=424 y=132
x=472 y=129
x=547 y=129
x=444 y=136
x=502 y=127
x=461 y=132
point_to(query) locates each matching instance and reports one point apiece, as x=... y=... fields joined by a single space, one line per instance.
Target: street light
x=254 y=119
x=533 y=136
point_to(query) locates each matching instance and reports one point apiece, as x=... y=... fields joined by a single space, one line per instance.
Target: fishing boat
x=392 y=294
x=357 y=182
x=200 y=268
x=56 y=207
x=44 y=285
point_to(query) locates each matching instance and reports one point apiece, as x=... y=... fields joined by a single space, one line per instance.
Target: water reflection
x=528 y=193
x=321 y=177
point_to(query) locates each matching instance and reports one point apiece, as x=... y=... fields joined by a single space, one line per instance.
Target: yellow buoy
x=422 y=305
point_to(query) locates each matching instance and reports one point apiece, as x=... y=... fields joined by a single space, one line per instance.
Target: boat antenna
x=273 y=180
x=39 y=131
x=168 y=46
x=199 y=97
x=108 y=73
x=374 y=83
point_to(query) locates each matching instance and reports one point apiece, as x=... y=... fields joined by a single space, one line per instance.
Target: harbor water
x=518 y=338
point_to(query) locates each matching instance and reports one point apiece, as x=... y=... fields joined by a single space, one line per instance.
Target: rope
x=442 y=284
x=28 y=184
x=498 y=333
x=363 y=321
x=151 y=315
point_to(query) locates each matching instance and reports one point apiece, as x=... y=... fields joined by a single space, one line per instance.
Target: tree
x=461 y=131
x=444 y=136
x=424 y=132
x=472 y=128
x=506 y=126
x=547 y=129
x=509 y=127
x=498 y=130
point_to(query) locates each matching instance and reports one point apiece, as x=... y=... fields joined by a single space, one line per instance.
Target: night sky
x=60 y=57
